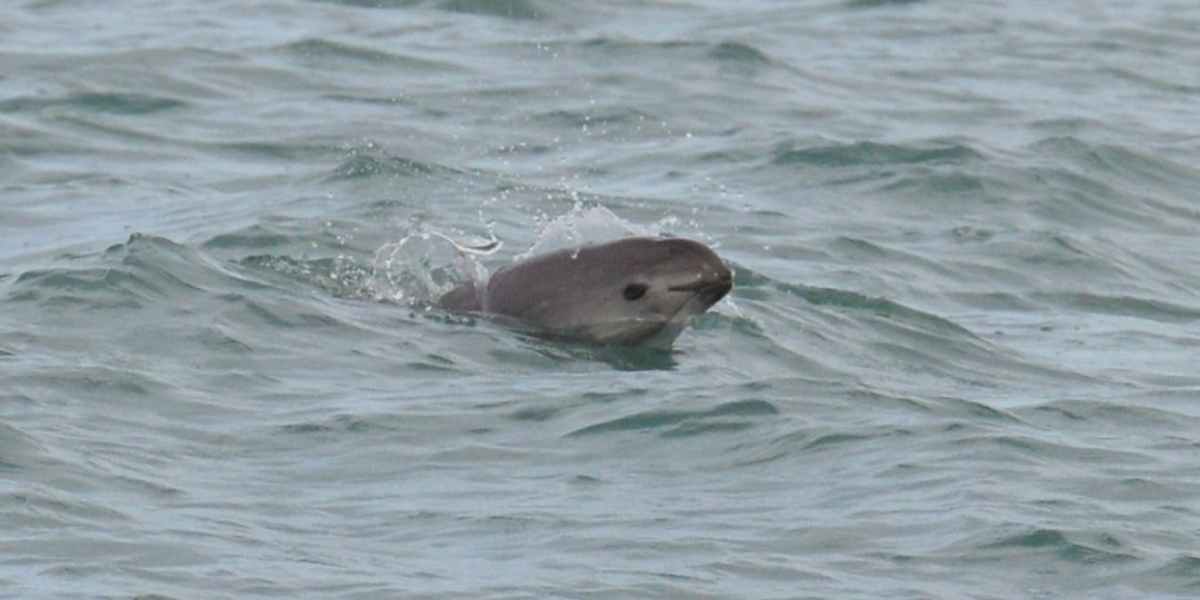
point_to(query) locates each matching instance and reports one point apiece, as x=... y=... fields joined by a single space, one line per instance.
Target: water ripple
x=684 y=422
x=873 y=154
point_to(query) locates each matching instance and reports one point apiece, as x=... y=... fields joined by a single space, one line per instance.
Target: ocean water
x=960 y=359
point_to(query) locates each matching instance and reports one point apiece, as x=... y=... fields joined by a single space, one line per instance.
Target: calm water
x=960 y=360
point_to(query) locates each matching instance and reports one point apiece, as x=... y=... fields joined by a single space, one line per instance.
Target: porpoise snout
x=721 y=286
x=713 y=289
x=713 y=279
x=721 y=282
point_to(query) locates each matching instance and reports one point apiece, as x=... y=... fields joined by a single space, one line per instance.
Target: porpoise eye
x=634 y=291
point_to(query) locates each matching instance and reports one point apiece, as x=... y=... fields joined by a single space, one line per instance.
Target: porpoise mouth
x=712 y=290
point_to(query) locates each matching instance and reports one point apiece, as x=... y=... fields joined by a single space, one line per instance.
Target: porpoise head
x=630 y=291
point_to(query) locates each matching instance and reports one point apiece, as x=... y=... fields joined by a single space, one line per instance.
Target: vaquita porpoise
x=632 y=291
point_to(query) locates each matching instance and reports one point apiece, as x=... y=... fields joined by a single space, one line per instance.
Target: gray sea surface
x=961 y=358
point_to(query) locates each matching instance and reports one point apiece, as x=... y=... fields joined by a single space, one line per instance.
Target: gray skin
x=632 y=291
